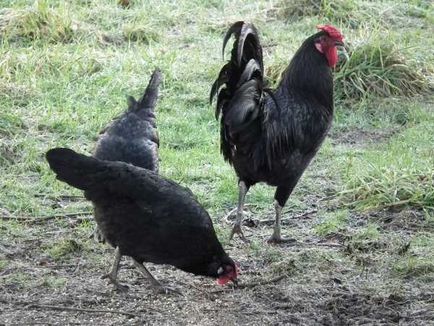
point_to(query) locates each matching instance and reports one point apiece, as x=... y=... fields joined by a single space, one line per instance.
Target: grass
x=65 y=71
x=397 y=174
x=418 y=261
x=340 y=10
x=64 y=249
x=36 y=22
x=332 y=223
x=377 y=68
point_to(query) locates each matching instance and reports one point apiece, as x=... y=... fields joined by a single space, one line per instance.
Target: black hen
x=145 y=216
x=272 y=135
x=133 y=136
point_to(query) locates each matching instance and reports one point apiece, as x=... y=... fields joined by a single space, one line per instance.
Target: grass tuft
x=332 y=223
x=337 y=10
x=415 y=267
x=36 y=22
x=139 y=33
x=366 y=239
x=378 y=68
x=396 y=176
x=64 y=248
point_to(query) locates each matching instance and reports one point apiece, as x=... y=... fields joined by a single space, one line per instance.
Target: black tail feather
x=245 y=63
x=234 y=29
x=239 y=88
x=73 y=168
x=150 y=97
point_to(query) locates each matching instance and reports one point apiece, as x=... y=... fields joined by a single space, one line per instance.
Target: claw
x=237 y=229
x=118 y=286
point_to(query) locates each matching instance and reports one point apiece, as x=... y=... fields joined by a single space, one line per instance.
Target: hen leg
x=281 y=196
x=160 y=288
x=113 y=274
x=97 y=235
x=243 y=188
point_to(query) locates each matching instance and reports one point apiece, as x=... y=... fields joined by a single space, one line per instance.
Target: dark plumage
x=272 y=135
x=133 y=137
x=145 y=216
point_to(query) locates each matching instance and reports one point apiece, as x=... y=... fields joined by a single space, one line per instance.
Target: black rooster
x=133 y=136
x=146 y=217
x=271 y=136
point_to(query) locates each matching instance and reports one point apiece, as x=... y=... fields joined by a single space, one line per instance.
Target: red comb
x=332 y=31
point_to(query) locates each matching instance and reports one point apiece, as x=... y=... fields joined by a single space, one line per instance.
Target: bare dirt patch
x=313 y=281
x=358 y=137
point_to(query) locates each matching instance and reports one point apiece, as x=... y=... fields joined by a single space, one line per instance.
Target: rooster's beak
x=342 y=52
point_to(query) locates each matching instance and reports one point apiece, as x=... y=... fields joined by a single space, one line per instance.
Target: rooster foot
x=237 y=229
x=118 y=286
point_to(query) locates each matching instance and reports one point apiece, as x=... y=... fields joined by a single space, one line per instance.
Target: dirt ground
x=309 y=282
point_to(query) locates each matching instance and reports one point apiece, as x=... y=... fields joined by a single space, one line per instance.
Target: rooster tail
x=245 y=62
x=75 y=169
x=239 y=88
x=149 y=99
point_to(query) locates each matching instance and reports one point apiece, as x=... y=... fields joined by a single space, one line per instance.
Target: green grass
x=396 y=174
x=332 y=223
x=418 y=262
x=65 y=73
x=64 y=248
x=3 y=264
x=377 y=67
x=54 y=282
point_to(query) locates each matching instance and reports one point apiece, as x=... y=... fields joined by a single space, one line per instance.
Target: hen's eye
x=220 y=271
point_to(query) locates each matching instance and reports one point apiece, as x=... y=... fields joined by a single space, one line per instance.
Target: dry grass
x=337 y=11
x=36 y=22
x=378 y=68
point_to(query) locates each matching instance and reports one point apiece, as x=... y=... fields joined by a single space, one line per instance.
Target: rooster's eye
x=220 y=270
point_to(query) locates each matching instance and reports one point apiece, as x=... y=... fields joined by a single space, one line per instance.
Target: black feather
x=234 y=29
x=150 y=218
x=272 y=135
x=133 y=136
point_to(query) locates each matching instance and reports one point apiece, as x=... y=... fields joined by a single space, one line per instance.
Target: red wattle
x=331 y=54
x=223 y=280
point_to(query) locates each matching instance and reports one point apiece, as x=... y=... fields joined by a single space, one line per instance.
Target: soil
x=358 y=137
x=309 y=282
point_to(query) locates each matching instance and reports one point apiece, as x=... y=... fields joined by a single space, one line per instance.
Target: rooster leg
x=243 y=188
x=281 y=196
x=160 y=288
x=113 y=274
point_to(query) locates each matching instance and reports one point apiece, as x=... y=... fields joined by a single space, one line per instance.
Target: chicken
x=133 y=136
x=146 y=217
x=272 y=135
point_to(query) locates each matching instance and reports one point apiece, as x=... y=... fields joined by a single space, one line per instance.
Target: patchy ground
x=345 y=278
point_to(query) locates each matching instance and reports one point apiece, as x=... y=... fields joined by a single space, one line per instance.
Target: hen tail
x=75 y=169
x=149 y=99
x=239 y=86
